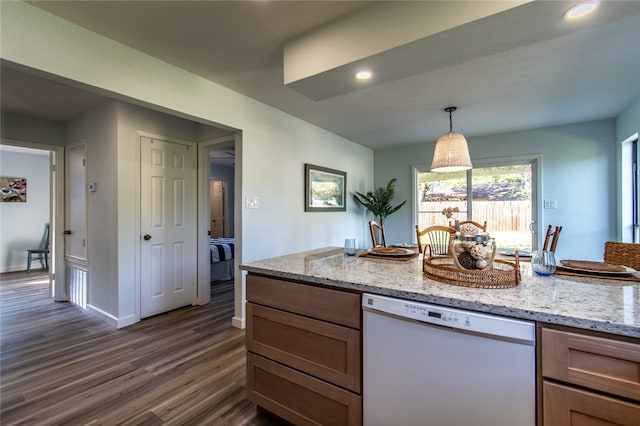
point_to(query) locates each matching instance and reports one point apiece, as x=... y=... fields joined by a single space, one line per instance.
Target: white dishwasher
x=431 y=365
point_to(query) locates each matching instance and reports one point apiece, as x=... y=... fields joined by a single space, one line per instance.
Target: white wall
x=274 y=146
x=578 y=170
x=628 y=122
x=22 y=224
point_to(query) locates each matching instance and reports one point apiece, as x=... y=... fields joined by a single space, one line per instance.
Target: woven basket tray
x=503 y=274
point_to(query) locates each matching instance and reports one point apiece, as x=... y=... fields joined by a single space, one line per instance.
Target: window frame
x=629 y=180
x=536 y=187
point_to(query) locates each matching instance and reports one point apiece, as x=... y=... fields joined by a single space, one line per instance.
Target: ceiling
x=506 y=65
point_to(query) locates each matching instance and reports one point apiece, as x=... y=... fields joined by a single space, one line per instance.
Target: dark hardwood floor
x=61 y=366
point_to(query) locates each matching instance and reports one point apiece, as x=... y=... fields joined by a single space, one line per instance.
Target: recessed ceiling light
x=364 y=75
x=581 y=9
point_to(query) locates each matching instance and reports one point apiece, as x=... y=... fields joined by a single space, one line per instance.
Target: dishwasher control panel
x=472 y=321
x=431 y=314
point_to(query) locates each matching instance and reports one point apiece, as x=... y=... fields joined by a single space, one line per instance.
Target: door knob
x=67 y=232
x=147 y=237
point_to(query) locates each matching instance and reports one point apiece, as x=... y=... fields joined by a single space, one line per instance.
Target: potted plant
x=378 y=201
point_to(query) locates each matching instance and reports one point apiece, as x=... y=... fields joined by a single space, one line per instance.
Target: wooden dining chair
x=627 y=254
x=481 y=227
x=40 y=253
x=436 y=237
x=551 y=238
x=378 y=237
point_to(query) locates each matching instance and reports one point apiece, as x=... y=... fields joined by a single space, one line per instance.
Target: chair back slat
x=436 y=237
x=45 y=239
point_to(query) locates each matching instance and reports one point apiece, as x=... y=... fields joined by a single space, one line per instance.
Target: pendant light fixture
x=451 y=153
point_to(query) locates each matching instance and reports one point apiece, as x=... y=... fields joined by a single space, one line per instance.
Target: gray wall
x=628 y=123
x=578 y=170
x=30 y=129
x=97 y=130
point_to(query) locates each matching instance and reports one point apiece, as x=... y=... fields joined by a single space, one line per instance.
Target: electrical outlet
x=550 y=204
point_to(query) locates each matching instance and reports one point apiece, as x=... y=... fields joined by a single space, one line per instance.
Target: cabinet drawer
x=335 y=306
x=327 y=351
x=598 y=363
x=298 y=398
x=567 y=406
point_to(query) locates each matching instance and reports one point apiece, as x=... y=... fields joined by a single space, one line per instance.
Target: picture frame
x=13 y=189
x=324 y=189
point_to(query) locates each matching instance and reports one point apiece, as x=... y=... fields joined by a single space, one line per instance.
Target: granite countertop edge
x=629 y=330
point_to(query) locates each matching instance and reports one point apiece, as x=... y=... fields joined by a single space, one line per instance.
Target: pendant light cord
x=450 y=110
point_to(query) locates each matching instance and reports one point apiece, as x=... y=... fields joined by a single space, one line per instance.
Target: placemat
x=396 y=258
x=634 y=277
x=594 y=266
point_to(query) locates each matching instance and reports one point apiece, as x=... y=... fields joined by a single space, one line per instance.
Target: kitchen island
x=590 y=303
x=304 y=334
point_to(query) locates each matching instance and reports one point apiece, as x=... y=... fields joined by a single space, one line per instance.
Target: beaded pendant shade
x=451 y=153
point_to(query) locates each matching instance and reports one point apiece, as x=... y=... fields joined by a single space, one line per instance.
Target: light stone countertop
x=610 y=306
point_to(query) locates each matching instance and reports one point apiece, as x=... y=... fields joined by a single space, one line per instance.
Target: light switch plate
x=252 y=202
x=550 y=204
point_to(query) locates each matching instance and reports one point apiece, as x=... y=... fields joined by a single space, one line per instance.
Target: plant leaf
x=378 y=201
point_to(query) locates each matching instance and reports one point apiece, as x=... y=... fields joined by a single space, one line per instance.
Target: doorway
x=220 y=158
x=52 y=189
x=221 y=166
x=168 y=225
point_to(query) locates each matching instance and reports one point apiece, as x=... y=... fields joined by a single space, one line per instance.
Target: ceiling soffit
x=402 y=40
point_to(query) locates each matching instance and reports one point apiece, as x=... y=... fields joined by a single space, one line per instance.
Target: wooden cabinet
x=589 y=379
x=304 y=351
x=565 y=405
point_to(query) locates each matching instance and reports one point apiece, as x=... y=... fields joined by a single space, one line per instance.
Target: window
x=634 y=192
x=629 y=189
x=500 y=194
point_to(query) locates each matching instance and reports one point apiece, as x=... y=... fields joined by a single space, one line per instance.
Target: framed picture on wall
x=325 y=189
x=13 y=190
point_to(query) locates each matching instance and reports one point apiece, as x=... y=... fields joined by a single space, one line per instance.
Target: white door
x=168 y=225
x=76 y=210
x=216 y=188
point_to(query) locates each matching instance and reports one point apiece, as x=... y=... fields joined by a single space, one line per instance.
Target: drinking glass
x=543 y=262
x=350 y=245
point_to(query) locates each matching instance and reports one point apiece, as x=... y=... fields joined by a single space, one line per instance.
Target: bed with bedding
x=222 y=258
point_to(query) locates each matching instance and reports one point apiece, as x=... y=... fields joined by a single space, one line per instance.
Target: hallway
x=60 y=365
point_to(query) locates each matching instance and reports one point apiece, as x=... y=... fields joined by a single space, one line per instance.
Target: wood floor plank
x=62 y=366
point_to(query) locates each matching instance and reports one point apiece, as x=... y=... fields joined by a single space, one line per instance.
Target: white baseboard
x=127 y=321
x=238 y=323
x=104 y=316
x=110 y=319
